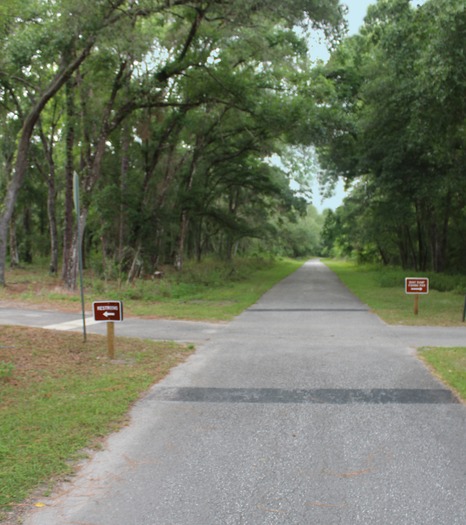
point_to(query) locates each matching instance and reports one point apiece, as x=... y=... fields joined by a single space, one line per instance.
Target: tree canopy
x=169 y=111
x=396 y=97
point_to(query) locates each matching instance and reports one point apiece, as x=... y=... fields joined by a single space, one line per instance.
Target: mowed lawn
x=59 y=395
x=383 y=290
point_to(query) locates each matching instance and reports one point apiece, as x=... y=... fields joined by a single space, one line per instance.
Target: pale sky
x=357 y=12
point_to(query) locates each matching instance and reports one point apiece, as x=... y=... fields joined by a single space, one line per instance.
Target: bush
x=392 y=277
x=448 y=283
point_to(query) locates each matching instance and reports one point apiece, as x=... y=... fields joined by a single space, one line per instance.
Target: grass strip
x=211 y=290
x=59 y=395
x=382 y=289
x=449 y=364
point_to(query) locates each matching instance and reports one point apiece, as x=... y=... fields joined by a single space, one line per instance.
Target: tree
x=396 y=129
x=139 y=74
x=22 y=47
x=222 y=111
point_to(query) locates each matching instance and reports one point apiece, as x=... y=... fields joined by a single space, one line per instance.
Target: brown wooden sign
x=416 y=285
x=107 y=311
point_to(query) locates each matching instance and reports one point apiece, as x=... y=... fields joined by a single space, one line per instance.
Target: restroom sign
x=107 y=310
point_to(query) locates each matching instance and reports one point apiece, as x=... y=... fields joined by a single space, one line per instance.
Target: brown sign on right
x=416 y=285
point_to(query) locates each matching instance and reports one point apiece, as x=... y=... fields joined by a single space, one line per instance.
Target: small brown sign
x=416 y=285
x=107 y=310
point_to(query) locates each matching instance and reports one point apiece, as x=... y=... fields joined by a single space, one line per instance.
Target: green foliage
x=396 y=97
x=170 y=114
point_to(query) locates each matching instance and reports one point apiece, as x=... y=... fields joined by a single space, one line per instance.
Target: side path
x=306 y=409
x=158 y=329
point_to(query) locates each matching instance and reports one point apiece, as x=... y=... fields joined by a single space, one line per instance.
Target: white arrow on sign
x=108 y=314
x=417 y=289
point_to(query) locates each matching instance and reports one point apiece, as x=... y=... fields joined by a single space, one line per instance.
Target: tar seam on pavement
x=307 y=310
x=379 y=396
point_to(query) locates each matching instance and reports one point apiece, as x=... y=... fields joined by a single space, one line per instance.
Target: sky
x=357 y=12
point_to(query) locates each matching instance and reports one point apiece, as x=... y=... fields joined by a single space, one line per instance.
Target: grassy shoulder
x=383 y=291
x=211 y=290
x=59 y=395
x=449 y=364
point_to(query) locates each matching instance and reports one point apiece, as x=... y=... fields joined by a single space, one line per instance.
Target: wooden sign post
x=416 y=286
x=109 y=312
x=111 y=340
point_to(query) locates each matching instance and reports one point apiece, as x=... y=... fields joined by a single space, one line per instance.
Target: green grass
x=212 y=290
x=382 y=289
x=449 y=364
x=62 y=396
x=207 y=291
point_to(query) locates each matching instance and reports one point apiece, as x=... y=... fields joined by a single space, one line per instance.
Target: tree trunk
x=231 y=241
x=383 y=254
x=135 y=265
x=422 y=250
x=440 y=237
x=27 y=226
x=179 y=255
x=184 y=225
x=14 y=255
x=52 y=215
x=69 y=170
x=123 y=190
x=49 y=176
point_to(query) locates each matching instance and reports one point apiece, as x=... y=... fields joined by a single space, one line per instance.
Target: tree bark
x=184 y=218
x=439 y=236
x=14 y=255
x=69 y=170
x=125 y=163
x=49 y=176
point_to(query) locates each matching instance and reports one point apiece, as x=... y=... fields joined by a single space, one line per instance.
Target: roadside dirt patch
x=36 y=354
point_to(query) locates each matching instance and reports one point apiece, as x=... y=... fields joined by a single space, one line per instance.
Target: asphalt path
x=157 y=329
x=306 y=409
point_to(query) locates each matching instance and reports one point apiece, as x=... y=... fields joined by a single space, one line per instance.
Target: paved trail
x=305 y=410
